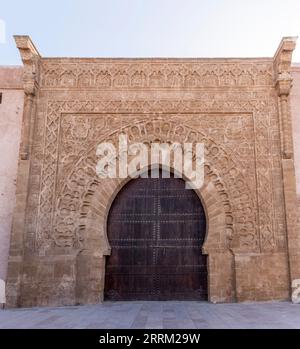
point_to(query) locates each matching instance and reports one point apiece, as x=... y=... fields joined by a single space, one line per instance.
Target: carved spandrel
x=146 y=131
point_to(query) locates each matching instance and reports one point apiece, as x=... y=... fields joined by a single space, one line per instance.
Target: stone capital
x=284 y=85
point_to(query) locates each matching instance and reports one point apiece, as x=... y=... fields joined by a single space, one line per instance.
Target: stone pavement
x=153 y=315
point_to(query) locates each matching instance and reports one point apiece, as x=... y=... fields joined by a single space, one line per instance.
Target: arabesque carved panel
x=74 y=127
x=149 y=75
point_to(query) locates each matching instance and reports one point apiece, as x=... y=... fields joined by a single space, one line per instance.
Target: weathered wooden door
x=156 y=229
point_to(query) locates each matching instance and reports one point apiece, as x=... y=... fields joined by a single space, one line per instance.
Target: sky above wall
x=149 y=28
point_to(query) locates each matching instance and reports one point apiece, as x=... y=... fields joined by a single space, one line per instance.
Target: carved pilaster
x=30 y=58
x=282 y=64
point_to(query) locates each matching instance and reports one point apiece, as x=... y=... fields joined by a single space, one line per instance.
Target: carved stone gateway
x=239 y=108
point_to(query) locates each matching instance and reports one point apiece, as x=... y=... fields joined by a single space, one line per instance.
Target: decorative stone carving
x=229 y=105
x=136 y=74
x=58 y=108
x=82 y=174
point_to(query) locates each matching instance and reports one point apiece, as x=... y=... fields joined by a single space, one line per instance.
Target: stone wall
x=11 y=110
x=238 y=107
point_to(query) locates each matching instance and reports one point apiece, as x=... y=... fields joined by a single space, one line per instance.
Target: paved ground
x=156 y=315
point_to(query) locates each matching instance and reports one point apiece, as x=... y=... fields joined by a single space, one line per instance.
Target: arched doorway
x=156 y=229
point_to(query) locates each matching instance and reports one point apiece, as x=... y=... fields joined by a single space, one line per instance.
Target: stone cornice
x=282 y=65
x=30 y=58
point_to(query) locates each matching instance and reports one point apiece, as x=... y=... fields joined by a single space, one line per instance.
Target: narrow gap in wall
x=0 y=97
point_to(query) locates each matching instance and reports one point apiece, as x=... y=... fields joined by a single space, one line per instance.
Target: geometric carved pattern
x=159 y=75
x=257 y=108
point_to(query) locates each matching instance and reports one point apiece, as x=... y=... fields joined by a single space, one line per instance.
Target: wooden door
x=156 y=229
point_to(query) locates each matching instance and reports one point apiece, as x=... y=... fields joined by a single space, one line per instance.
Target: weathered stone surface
x=11 y=109
x=240 y=109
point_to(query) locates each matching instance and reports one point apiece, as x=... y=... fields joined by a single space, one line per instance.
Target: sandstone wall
x=74 y=103
x=11 y=109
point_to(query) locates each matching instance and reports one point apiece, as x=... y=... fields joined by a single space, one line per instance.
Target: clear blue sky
x=150 y=28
